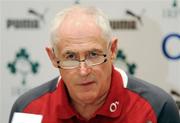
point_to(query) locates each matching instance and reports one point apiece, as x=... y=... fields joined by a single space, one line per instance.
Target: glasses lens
x=95 y=61
x=69 y=64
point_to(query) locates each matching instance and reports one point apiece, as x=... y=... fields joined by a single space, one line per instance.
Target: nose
x=84 y=70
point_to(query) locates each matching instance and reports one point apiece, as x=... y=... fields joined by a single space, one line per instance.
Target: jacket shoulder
x=161 y=102
x=33 y=94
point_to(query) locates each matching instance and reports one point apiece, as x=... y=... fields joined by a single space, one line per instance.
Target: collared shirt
x=134 y=102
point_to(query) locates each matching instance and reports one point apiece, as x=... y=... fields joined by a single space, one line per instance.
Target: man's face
x=79 y=38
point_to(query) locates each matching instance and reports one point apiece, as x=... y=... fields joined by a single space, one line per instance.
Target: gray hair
x=101 y=21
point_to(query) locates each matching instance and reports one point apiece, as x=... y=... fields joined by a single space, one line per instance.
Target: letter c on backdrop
x=165 y=43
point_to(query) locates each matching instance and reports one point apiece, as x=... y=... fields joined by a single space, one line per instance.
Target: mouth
x=86 y=86
x=86 y=83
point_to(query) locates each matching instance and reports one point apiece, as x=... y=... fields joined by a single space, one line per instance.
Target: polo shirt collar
x=65 y=110
x=111 y=108
x=114 y=101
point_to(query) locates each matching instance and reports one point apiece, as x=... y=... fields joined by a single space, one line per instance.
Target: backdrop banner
x=148 y=33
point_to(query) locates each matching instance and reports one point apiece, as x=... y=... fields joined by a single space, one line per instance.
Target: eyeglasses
x=90 y=60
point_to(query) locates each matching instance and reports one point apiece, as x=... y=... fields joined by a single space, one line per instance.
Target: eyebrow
x=97 y=50
x=68 y=52
x=65 y=52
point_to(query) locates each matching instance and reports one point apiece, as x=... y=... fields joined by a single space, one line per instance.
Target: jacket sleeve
x=169 y=112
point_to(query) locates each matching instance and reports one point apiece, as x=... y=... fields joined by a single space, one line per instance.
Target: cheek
x=68 y=79
x=103 y=74
x=67 y=76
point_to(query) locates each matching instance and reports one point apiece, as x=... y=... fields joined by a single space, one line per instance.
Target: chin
x=87 y=98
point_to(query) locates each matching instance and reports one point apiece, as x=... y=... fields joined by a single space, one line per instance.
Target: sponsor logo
x=123 y=63
x=114 y=106
x=123 y=24
x=170 y=45
x=173 y=12
x=77 y=2
x=22 y=65
x=127 y=24
x=136 y=16
x=34 y=21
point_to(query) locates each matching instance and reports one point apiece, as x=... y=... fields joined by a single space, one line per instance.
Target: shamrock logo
x=131 y=67
x=23 y=65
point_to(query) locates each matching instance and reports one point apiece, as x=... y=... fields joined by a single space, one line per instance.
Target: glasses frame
x=80 y=61
x=84 y=60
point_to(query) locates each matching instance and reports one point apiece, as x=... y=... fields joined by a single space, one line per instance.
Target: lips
x=85 y=83
x=86 y=86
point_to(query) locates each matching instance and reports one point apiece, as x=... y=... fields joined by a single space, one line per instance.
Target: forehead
x=79 y=32
x=81 y=45
x=78 y=23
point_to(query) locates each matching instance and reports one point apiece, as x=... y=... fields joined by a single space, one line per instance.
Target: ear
x=114 y=47
x=52 y=56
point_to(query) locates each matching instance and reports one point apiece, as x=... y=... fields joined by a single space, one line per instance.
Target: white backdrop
x=25 y=24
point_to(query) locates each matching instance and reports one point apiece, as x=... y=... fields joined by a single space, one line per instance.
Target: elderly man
x=90 y=89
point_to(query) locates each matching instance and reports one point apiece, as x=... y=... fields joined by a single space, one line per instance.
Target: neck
x=86 y=110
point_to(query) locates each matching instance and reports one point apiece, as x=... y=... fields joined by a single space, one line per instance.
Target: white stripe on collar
x=124 y=77
x=58 y=81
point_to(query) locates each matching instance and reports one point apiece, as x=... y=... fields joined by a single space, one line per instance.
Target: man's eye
x=70 y=57
x=93 y=54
